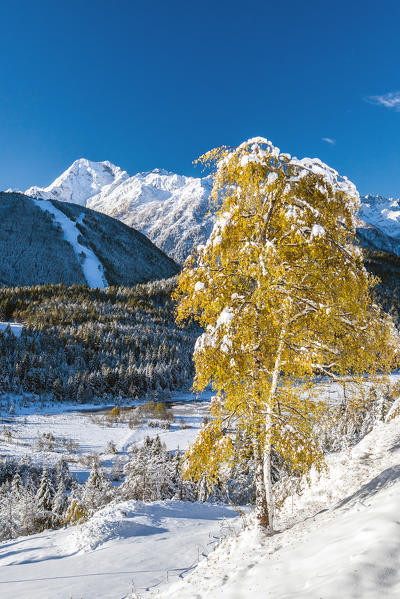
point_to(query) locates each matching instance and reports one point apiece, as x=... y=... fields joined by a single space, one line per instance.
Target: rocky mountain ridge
x=174 y=212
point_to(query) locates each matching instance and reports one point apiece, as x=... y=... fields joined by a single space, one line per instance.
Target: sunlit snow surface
x=339 y=539
x=128 y=546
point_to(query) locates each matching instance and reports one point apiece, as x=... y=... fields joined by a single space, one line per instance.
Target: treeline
x=78 y=344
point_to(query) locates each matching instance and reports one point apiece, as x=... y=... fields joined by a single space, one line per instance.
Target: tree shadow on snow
x=385 y=479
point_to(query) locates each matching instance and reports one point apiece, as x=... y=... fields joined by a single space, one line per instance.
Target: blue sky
x=155 y=84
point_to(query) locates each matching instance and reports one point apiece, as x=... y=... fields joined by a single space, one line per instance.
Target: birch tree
x=283 y=296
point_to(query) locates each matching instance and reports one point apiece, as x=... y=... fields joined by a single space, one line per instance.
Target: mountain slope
x=173 y=210
x=54 y=242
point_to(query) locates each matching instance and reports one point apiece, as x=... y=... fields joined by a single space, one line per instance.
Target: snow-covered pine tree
x=60 y=502
x=44 y=499
x=151 y=473
x=16 y=485
x=97 y=491
x=282 y=293
x=63 y=472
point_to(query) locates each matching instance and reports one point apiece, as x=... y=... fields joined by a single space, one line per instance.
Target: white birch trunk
x=262 y=511
x=267 y=457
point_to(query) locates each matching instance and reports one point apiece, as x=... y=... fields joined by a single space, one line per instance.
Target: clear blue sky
x=154 y=84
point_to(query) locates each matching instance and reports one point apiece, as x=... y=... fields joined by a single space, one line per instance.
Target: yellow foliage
x=76 y=513
x=283 y=296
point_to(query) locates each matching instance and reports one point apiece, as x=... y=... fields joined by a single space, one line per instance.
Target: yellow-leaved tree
x=282 y=293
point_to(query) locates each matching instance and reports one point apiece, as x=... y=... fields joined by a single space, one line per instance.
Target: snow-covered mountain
x=43 y=241
x=173 y=210
x=170 y=209
x=82 y=180
x=380 y=223
x=383 y=213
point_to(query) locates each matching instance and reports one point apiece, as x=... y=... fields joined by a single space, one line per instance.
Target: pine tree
x=62 y=472
x=45 y=493
x=44 y=501
x=97 y=491
x=60 y=502
x=282 y=293
x=16 y=485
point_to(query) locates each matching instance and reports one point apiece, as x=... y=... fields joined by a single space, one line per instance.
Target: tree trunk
x=267 y=454
x=267 y=473
x=262 y=511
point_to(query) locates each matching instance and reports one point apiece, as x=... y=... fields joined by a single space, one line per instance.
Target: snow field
x=124 y=547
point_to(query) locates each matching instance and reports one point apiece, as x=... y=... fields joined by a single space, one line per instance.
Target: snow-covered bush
x=354 y=417
x=32 y=498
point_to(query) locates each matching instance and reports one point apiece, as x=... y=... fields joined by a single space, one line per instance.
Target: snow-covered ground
x=128 y=547
x=91 y=265
x=339 y=539
x=124 y=547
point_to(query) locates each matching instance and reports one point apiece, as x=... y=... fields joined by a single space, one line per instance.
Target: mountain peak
x=80 y=181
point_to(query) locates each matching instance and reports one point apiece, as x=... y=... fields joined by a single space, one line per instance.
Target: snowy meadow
x=127 y=545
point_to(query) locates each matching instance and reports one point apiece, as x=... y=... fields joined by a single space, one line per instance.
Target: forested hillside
x=386 y=267
x=78 y=343
x=52 y=242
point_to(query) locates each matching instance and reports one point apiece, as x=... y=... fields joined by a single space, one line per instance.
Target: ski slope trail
x=339 y=539
x=91 y=265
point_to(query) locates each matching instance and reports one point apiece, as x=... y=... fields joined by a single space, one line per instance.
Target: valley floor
x=338 y=539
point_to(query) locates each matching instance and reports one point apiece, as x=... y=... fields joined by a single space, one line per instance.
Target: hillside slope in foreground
x=339 y=539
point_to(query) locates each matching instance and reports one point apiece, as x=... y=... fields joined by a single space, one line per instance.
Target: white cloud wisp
x=390 y=100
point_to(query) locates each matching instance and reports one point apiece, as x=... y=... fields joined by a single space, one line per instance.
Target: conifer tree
x=45 y=493
x=60 y=501
x=282 y=293
x=16 y=485
x=44 y=500
x=97 y=490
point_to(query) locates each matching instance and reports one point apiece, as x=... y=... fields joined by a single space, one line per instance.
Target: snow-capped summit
x=83 y=179
x=173 y=210
x=383 y=213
